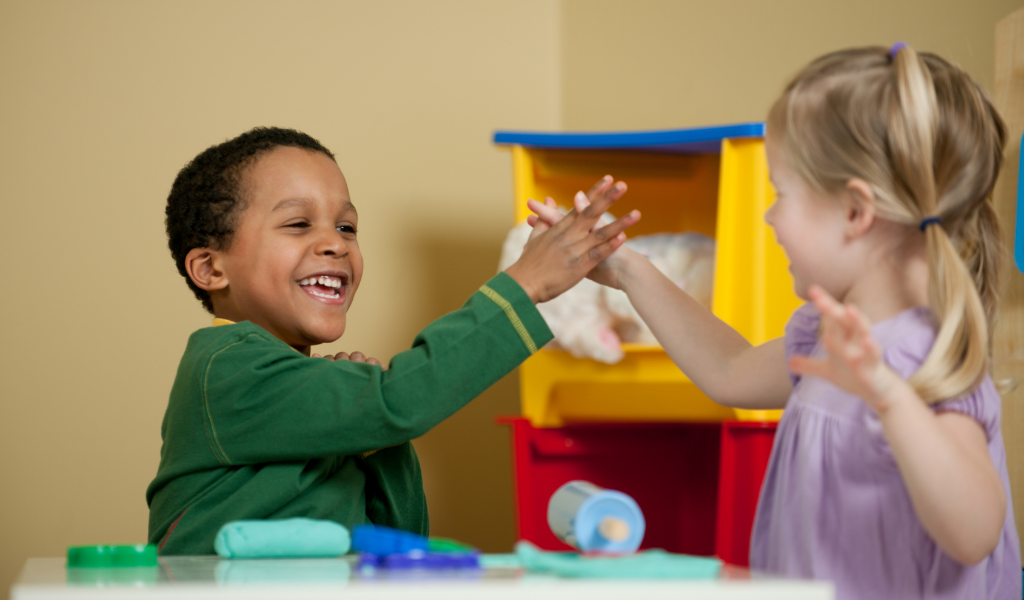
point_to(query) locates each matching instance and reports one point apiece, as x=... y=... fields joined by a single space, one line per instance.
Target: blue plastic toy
x=383 y=541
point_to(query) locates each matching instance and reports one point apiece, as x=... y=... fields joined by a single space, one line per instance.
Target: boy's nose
x=332 y=245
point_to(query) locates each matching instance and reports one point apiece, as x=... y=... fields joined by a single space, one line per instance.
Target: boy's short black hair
x=205 y=201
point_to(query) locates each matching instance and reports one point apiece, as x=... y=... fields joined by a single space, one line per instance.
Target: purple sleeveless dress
x=834 y=506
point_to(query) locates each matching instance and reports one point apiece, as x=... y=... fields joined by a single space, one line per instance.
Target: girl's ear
x=204 y=269
x=860 y=203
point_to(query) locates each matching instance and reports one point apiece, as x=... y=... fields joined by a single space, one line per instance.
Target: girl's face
x=810 y=228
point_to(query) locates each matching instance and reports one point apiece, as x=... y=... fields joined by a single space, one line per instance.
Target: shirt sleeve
x=984 y=405
x=801 y=334
x=262 y=401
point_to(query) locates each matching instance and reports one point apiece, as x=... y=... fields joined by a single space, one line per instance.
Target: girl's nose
x=769 y=214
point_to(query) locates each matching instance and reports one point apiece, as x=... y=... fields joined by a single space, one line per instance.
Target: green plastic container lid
x=436 y=544
x=99 y=557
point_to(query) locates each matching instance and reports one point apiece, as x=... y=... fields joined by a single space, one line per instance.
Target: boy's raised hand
x=854 y=362
x=559 y=254
x=609 y=272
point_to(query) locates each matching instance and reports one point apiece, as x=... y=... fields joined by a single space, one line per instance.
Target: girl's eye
x=299 y=225
x=347 y=229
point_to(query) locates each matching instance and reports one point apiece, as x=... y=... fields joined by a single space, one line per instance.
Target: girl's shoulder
x=984 y=405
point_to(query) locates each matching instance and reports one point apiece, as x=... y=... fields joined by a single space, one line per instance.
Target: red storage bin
x=670 y=469
x=746 y=447
x=697 y=483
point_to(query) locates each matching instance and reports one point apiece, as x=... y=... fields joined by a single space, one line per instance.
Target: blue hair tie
x=895 y=49
x=925 y=223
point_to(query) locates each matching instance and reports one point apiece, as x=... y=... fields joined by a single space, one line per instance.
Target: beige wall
x=102 y=102
x=665 y=63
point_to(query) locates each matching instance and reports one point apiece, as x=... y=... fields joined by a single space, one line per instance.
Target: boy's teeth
x=332 y=282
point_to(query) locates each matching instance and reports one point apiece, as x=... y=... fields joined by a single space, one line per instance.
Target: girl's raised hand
x=854 y=362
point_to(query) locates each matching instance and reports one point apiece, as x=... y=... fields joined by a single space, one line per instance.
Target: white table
x=202 y=577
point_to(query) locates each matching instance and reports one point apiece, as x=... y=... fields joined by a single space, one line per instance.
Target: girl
x=888 y=474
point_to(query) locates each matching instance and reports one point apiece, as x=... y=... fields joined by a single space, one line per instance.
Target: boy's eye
x=299 y=224
x=347 y=229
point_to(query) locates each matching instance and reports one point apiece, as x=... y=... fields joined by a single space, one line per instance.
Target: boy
x=264 y=232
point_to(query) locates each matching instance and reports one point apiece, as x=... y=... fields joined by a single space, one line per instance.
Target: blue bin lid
x=694 y=140
x=1018 y=243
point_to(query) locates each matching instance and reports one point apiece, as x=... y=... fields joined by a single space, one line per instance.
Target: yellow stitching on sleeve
x=512 y=316
x=206 y=401
x=371 y=452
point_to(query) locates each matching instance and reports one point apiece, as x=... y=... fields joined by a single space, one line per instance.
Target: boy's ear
x=203 y=266
x=860 y=207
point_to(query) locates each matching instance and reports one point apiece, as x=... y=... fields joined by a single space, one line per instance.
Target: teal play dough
x=649 y=564
x=285 y=538
x=500 y=561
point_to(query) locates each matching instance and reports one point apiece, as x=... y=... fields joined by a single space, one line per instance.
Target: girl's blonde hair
x=928 y=141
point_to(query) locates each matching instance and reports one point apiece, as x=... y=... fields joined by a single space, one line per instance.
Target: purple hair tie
x=895 y=49
x=930 y=220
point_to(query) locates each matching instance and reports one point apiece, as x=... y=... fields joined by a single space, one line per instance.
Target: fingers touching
x=547 y=211
x=546 y=215
x=589 y=206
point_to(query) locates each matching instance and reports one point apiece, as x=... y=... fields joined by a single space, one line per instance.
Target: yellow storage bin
x=710 y=180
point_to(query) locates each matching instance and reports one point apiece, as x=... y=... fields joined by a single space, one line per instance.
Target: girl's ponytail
x=959 y=358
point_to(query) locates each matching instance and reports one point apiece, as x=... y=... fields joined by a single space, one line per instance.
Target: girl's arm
x=943 y=458
x=720 y=361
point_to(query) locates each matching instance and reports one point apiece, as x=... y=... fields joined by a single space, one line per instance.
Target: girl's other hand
x=854 y=362
x=354 y=357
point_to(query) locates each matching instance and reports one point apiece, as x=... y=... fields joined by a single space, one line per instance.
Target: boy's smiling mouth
x=327 y=288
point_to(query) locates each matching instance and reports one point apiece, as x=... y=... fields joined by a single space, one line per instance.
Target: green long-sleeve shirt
x=255 y=430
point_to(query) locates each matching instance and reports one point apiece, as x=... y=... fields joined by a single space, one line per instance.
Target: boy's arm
x=271 y=406
x=265 y=402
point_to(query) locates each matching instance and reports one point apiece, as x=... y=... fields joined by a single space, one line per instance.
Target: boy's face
x=294 y=264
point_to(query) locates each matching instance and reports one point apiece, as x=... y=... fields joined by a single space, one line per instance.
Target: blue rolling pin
x=593 y=519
